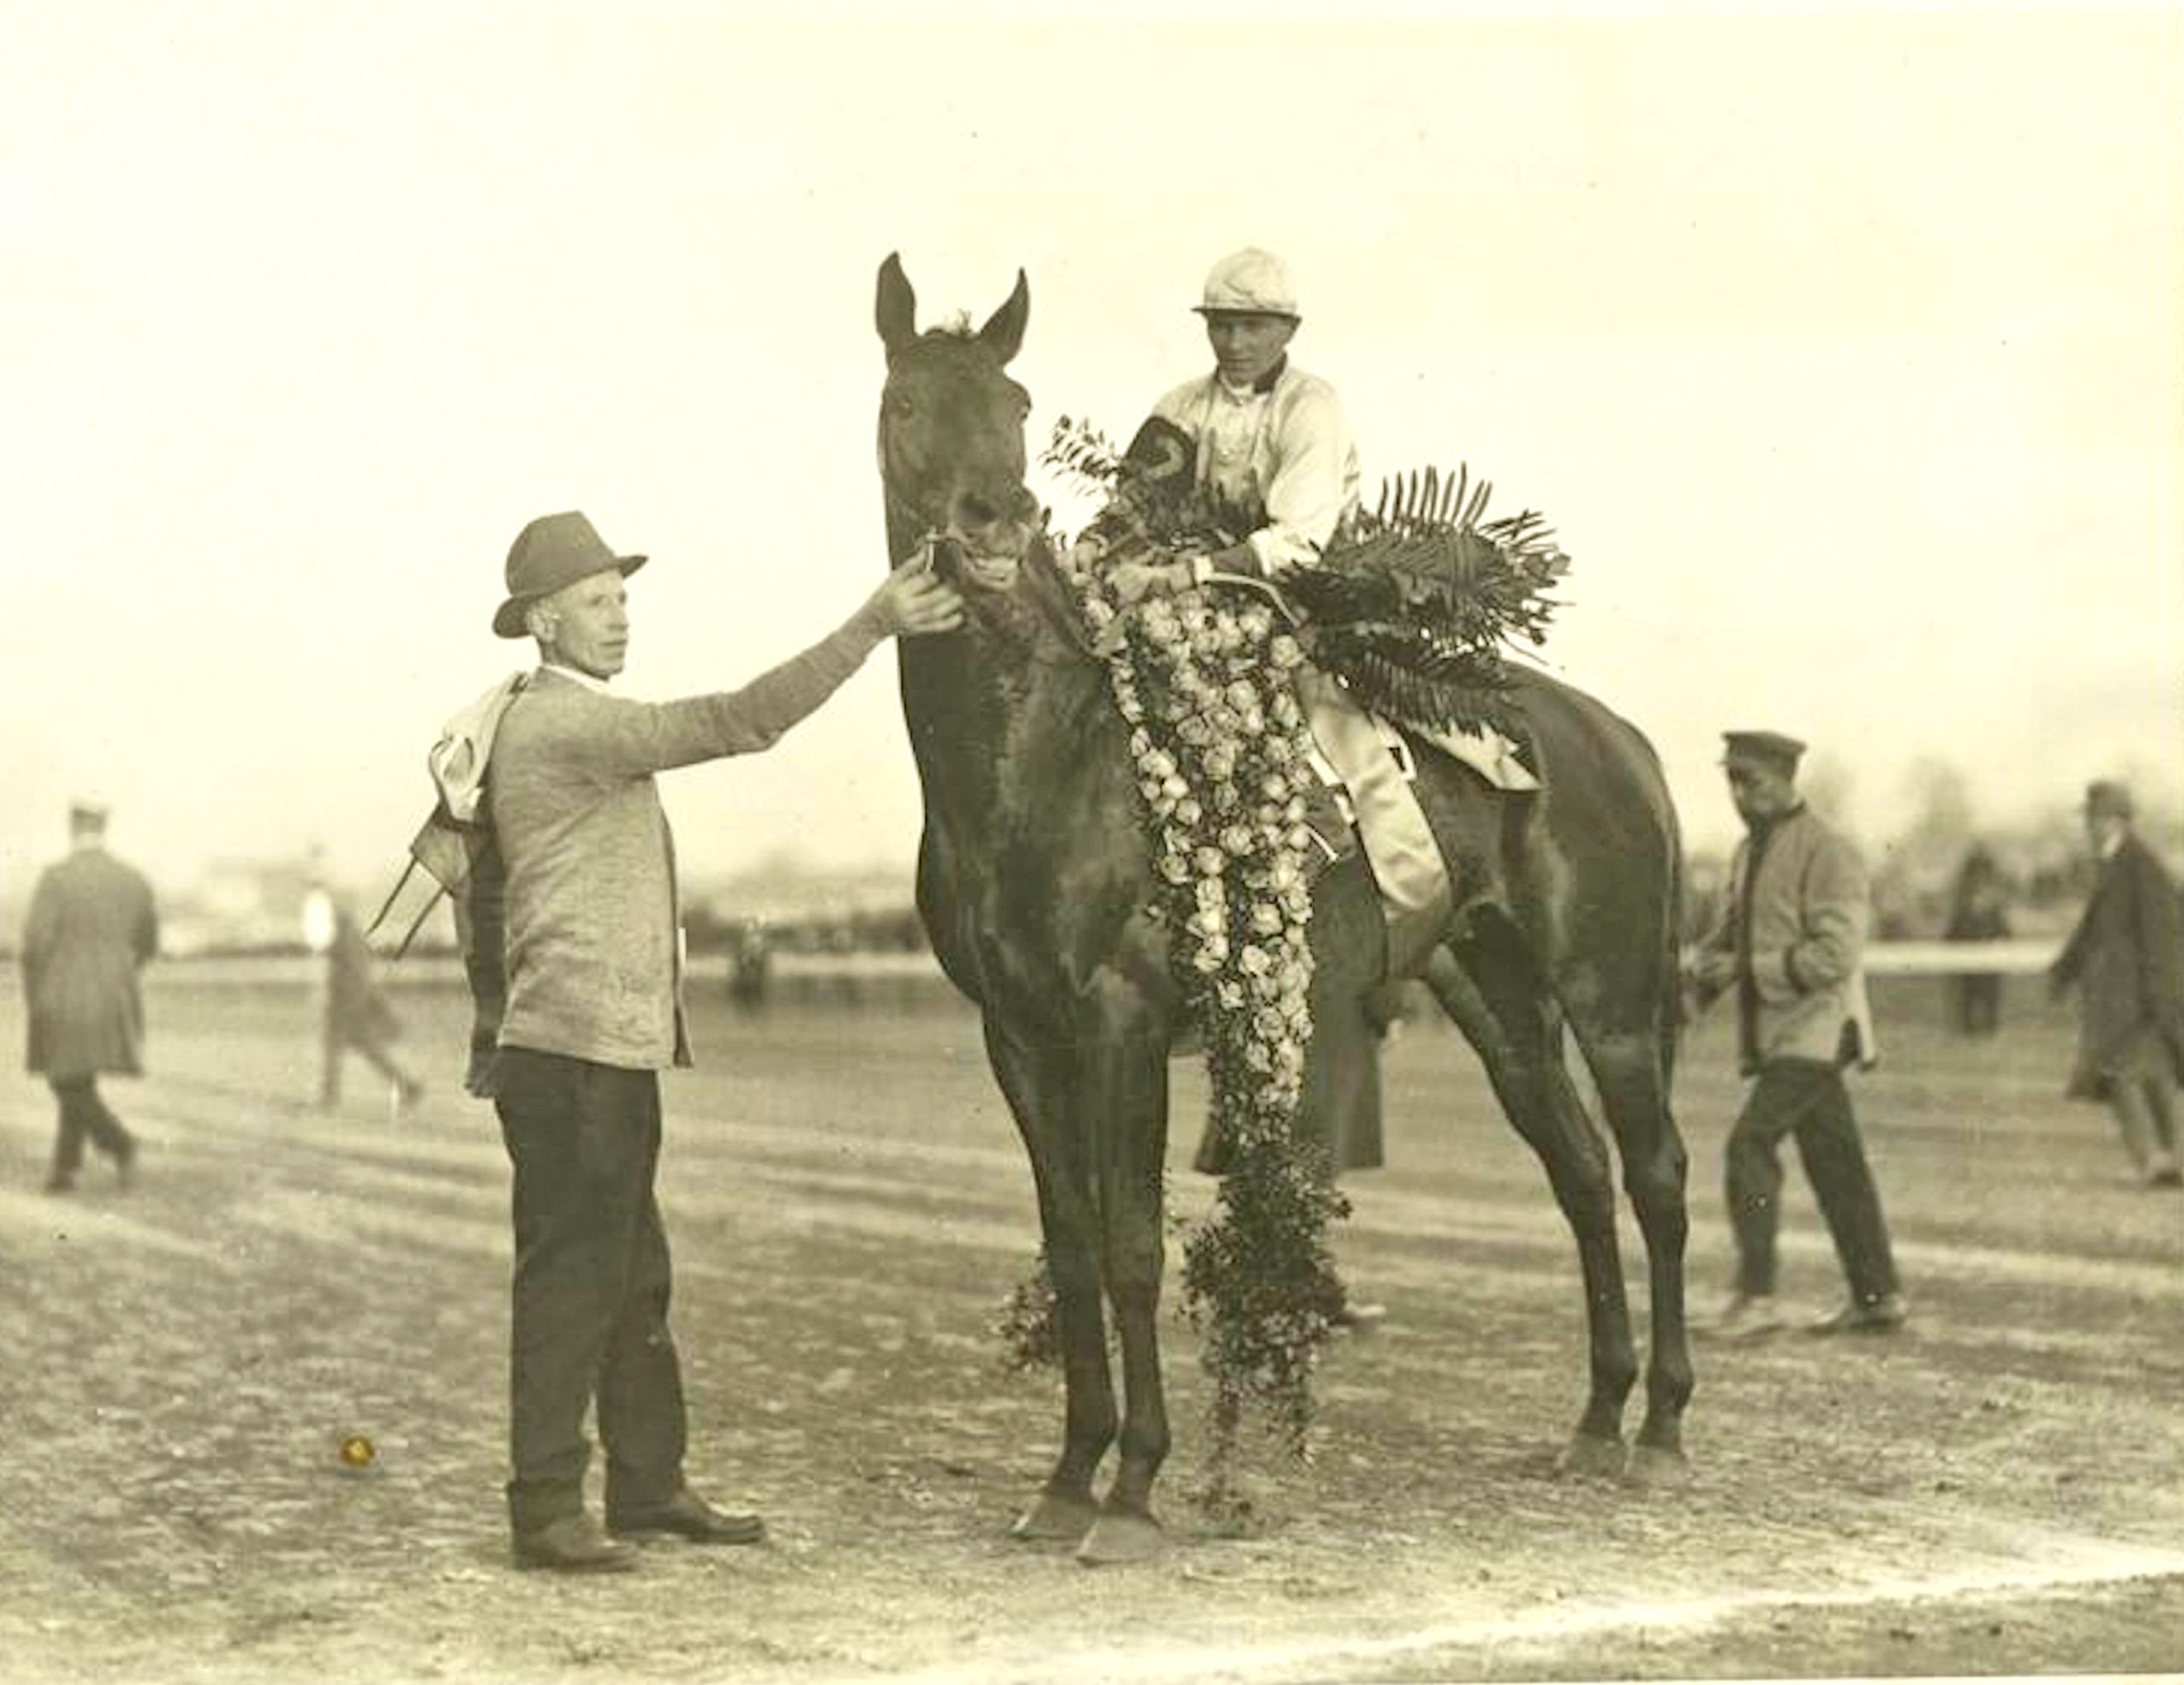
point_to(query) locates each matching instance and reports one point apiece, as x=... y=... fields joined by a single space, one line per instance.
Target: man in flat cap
x=594 y=1012
x=92 y=926
x=1790 y=942
x=2127 y=956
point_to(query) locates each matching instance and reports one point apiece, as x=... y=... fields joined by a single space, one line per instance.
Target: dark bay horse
x=1035 y=877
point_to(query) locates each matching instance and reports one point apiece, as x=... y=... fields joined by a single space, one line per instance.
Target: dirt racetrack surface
x=2000 y=1489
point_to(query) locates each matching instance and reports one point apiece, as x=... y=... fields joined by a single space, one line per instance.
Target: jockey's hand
x=1136 y=579
x=913 y=601
x=1713 y=971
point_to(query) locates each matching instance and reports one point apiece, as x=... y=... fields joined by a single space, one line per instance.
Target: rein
x=921 y=554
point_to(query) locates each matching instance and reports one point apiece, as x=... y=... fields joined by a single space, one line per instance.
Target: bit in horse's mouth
x=990 y=570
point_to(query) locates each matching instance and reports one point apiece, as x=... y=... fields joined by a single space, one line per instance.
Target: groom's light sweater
x=595 y=965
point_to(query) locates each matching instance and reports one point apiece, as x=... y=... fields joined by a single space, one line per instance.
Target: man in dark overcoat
x=2127 y=958
x=93 y=925
x=1791 y=943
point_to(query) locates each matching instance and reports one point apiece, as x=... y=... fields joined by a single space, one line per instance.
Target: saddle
x=1368 y=770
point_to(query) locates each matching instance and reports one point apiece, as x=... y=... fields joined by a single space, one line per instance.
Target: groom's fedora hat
x=553 y=551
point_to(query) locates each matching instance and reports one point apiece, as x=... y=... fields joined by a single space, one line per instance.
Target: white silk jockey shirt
x=1282 y=444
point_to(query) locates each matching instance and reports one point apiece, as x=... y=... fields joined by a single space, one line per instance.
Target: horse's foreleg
x=1064 y=1508
x=1122 y=1091
x=1634 y=1091
x=1516 y=1032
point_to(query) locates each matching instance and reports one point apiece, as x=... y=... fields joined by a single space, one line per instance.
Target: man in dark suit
x=2127 y=953
x=93 y=925
x=1791 y=943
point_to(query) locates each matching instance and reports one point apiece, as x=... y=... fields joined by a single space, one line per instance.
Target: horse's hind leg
x=1064 y=1508
x=1631 y=1070
x=1497 y=999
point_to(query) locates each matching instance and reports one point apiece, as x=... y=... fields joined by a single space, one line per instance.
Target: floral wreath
x=1411 y=613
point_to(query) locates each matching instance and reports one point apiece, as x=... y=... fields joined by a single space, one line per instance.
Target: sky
x=1842 y=350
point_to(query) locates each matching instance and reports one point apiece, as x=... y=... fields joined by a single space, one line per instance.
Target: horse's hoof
x=1121 y=1536
x=1053 y=1519
x=1656 y=1467
x=1590 y=1457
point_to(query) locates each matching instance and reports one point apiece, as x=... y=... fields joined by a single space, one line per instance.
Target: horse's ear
x=895 y=311
x=1004 y=331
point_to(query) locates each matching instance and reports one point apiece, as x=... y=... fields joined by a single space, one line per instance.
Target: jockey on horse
x=1269 y=438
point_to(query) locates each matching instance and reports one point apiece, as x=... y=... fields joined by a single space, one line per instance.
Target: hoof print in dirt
x=1056 y=1520
x=1656 y=1469
x=1589 y=1456
x=1121 y=1536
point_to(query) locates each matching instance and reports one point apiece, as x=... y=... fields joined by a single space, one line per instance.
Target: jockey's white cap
x=1250 y=280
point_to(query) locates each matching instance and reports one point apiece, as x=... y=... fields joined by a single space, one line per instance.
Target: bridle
x=940 y=549
x=935 y=548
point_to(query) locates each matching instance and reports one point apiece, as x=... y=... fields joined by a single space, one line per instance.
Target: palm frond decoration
x=1413 y=605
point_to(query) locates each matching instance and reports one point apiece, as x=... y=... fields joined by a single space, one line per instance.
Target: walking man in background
x=91 y=927
x=594 y=1013
x=1790 y=943
x=2128 y=953
x=1978 y=911
x=355 y=1013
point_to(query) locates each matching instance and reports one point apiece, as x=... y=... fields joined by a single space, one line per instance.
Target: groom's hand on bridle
x=914 y=601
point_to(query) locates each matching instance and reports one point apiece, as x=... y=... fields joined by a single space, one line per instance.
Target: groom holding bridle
x=594 y=1013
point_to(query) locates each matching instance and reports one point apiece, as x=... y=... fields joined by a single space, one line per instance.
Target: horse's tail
x=1672 y=943
x=1669 y=1027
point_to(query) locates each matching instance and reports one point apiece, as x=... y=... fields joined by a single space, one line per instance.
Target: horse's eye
x=898 y=405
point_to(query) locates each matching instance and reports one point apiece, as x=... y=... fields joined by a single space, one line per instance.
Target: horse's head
x=951 y=434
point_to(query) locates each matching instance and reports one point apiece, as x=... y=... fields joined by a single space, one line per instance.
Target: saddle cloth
x=1366 y=758
x=1489 y=754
